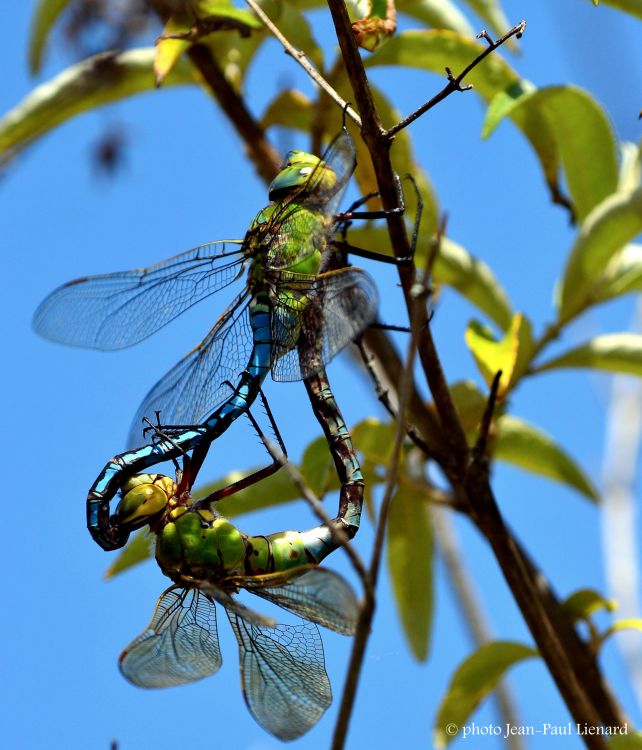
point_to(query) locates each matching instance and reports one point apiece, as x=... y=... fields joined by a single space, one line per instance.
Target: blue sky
x=186 y=182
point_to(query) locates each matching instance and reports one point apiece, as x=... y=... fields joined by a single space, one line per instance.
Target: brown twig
x=303 y=61
x=454 y=82
x=308 y=494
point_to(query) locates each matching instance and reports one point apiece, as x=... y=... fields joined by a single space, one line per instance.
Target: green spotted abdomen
x=196 y=543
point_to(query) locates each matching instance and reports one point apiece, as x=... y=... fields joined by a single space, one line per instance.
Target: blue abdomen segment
x=124 y=465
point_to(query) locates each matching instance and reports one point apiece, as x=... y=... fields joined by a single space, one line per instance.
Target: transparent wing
x=341 y=155
x=336 y=307
x=320 y=595
x=283 y=676
x=116 y=310
x=180 y=644
x=195 y=386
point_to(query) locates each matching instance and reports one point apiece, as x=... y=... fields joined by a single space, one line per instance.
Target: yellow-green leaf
x=627 y=741
x=492 y=13
x=440 y=14
x=374 y=439
x=470 y=403
x=608 y=228
x=409 y=554
x=99 y=80
x=434 y=50
x=524 y=445
x=630 y=167
x=579 y=126
x=631 y=623
x=317 y=467
x=138 y=549
x=623 y=274
x=581 y=604
x=454 y=266
x=43 y=19
x=291 y=109
x=614 y=352
x=511 y=354
x=632 y=7
x=474 y=679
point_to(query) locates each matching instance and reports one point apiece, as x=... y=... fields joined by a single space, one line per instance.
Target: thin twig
x=303 y=61
x=454 y=82
x=364 y=623
x=308 y=494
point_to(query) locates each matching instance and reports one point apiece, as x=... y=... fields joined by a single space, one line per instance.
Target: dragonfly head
x=297 y=170
x=144 y=496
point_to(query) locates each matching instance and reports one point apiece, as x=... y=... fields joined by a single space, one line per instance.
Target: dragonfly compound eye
x=298 y=169
x=144 y=496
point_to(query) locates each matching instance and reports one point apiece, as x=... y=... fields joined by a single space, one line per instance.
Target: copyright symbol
x=452 y=729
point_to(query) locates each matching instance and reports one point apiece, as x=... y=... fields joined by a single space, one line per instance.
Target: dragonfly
x=288 y=297
x=208 y=559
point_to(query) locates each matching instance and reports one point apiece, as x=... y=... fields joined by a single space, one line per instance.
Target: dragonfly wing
x=320 y=595
x=283 y=676
x=180 y=644
x=340 y=306
x=341 y=155
x=195 y=386
x=116 y=310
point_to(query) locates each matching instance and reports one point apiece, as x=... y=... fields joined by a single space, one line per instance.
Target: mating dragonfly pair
x=300 y=306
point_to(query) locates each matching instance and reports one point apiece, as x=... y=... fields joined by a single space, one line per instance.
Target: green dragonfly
x=209 y=560
x=288 y=297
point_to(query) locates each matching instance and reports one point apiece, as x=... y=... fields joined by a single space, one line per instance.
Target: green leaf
x=609 y=227
x=374 y=439
x=138 y=549
x=628 y=741
x=454 y=266
x=630 y=167
x=436 y=50
x=470 y=403
x=440 y=14
x=99 y=80
x=632 y=7
x=491 y=12
x=614 y=352
x=623 y=274
x=631 y=623
x=409 y=554
x=274 y=490
x=578 y=126
x=524 y=445
x=580 y=605
x=42 y=21
x=473 y=279
x=475 y=678
x=291 y=109
x=511 y=354
x=317 y=467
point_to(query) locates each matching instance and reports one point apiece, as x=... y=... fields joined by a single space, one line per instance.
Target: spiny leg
x=255 y=476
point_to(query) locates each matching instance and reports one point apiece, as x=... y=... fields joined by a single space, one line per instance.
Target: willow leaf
x=474 y=679
x=579 y=126
x=581 y=604
x=510 y=354
x=42 y=21
x=99 y=80
x=632 y=7
x=138 y=549
x=439 y=14
x=409 y=554
x=520 y=443
x=609 y=227
x=614 y=352
x=434 y=50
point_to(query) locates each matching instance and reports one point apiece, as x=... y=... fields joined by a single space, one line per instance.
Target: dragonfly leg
x=345 y=219
x=255 y=476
